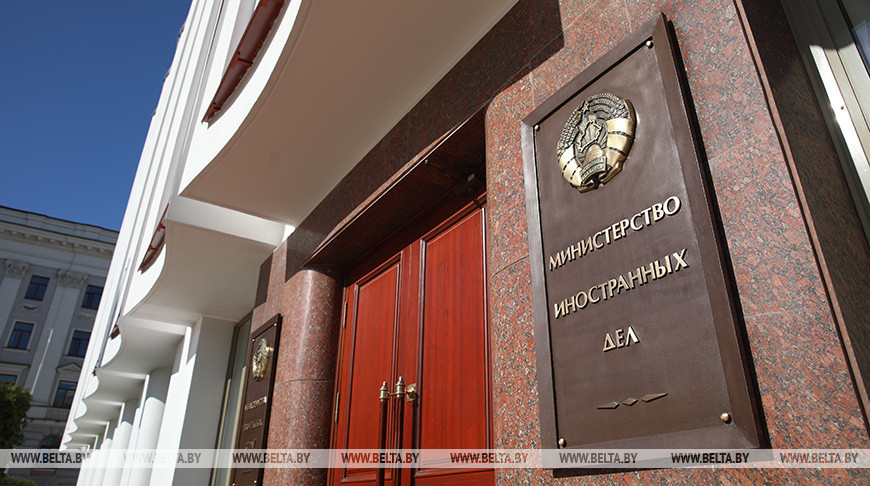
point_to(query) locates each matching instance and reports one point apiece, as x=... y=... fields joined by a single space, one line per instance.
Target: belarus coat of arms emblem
x=260 y=359
x=595 y=141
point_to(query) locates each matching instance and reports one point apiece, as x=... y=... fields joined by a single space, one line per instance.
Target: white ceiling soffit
x=206 y=273
x=354 y=70
x=208 y=266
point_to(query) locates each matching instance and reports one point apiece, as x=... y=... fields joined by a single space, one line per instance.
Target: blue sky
x=80 y=80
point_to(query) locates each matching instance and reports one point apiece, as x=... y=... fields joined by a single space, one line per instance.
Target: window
x=20 y=335
x=50 y=442
x=8 y=379
x=79 y=344
x=65 y=392
x=92 y=297
x=233 y=390
x=833 y=39
x=37 y=287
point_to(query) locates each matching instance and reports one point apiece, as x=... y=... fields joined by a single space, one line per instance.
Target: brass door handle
x=402 y=390
x=383 y=396
x=409 y=392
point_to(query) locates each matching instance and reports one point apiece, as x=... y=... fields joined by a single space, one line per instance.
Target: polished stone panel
x=798 y=362
x=304 y=379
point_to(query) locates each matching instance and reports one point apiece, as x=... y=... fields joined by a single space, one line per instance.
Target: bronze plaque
x=639 y=342
x=253 y=425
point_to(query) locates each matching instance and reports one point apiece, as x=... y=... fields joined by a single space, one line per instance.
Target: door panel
x=424 y=318
x=454 y=389
x=454 y=341
x=371 y=359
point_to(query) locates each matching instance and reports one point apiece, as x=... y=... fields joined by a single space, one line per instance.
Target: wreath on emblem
x=595 y=141
x=260 y=359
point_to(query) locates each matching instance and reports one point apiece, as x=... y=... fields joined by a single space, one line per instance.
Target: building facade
x=52 y=282
x=344 y=183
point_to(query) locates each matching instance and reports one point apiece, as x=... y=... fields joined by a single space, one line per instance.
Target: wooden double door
x=417 y=310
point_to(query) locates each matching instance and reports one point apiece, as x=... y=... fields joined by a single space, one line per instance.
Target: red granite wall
x=807 y=394
x=831 y=217
x=304 y=379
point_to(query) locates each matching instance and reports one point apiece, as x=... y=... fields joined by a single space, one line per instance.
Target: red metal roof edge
x=249 y=47
x=156 y=244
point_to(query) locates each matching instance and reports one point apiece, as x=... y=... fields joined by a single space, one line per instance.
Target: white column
x=84 y=472
x=120 y=443
x=196 y=394
x=105 y=451
x=87 y=472
x=134 y=436
x=15 y=272
x=150 y=421
x=48 y=352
